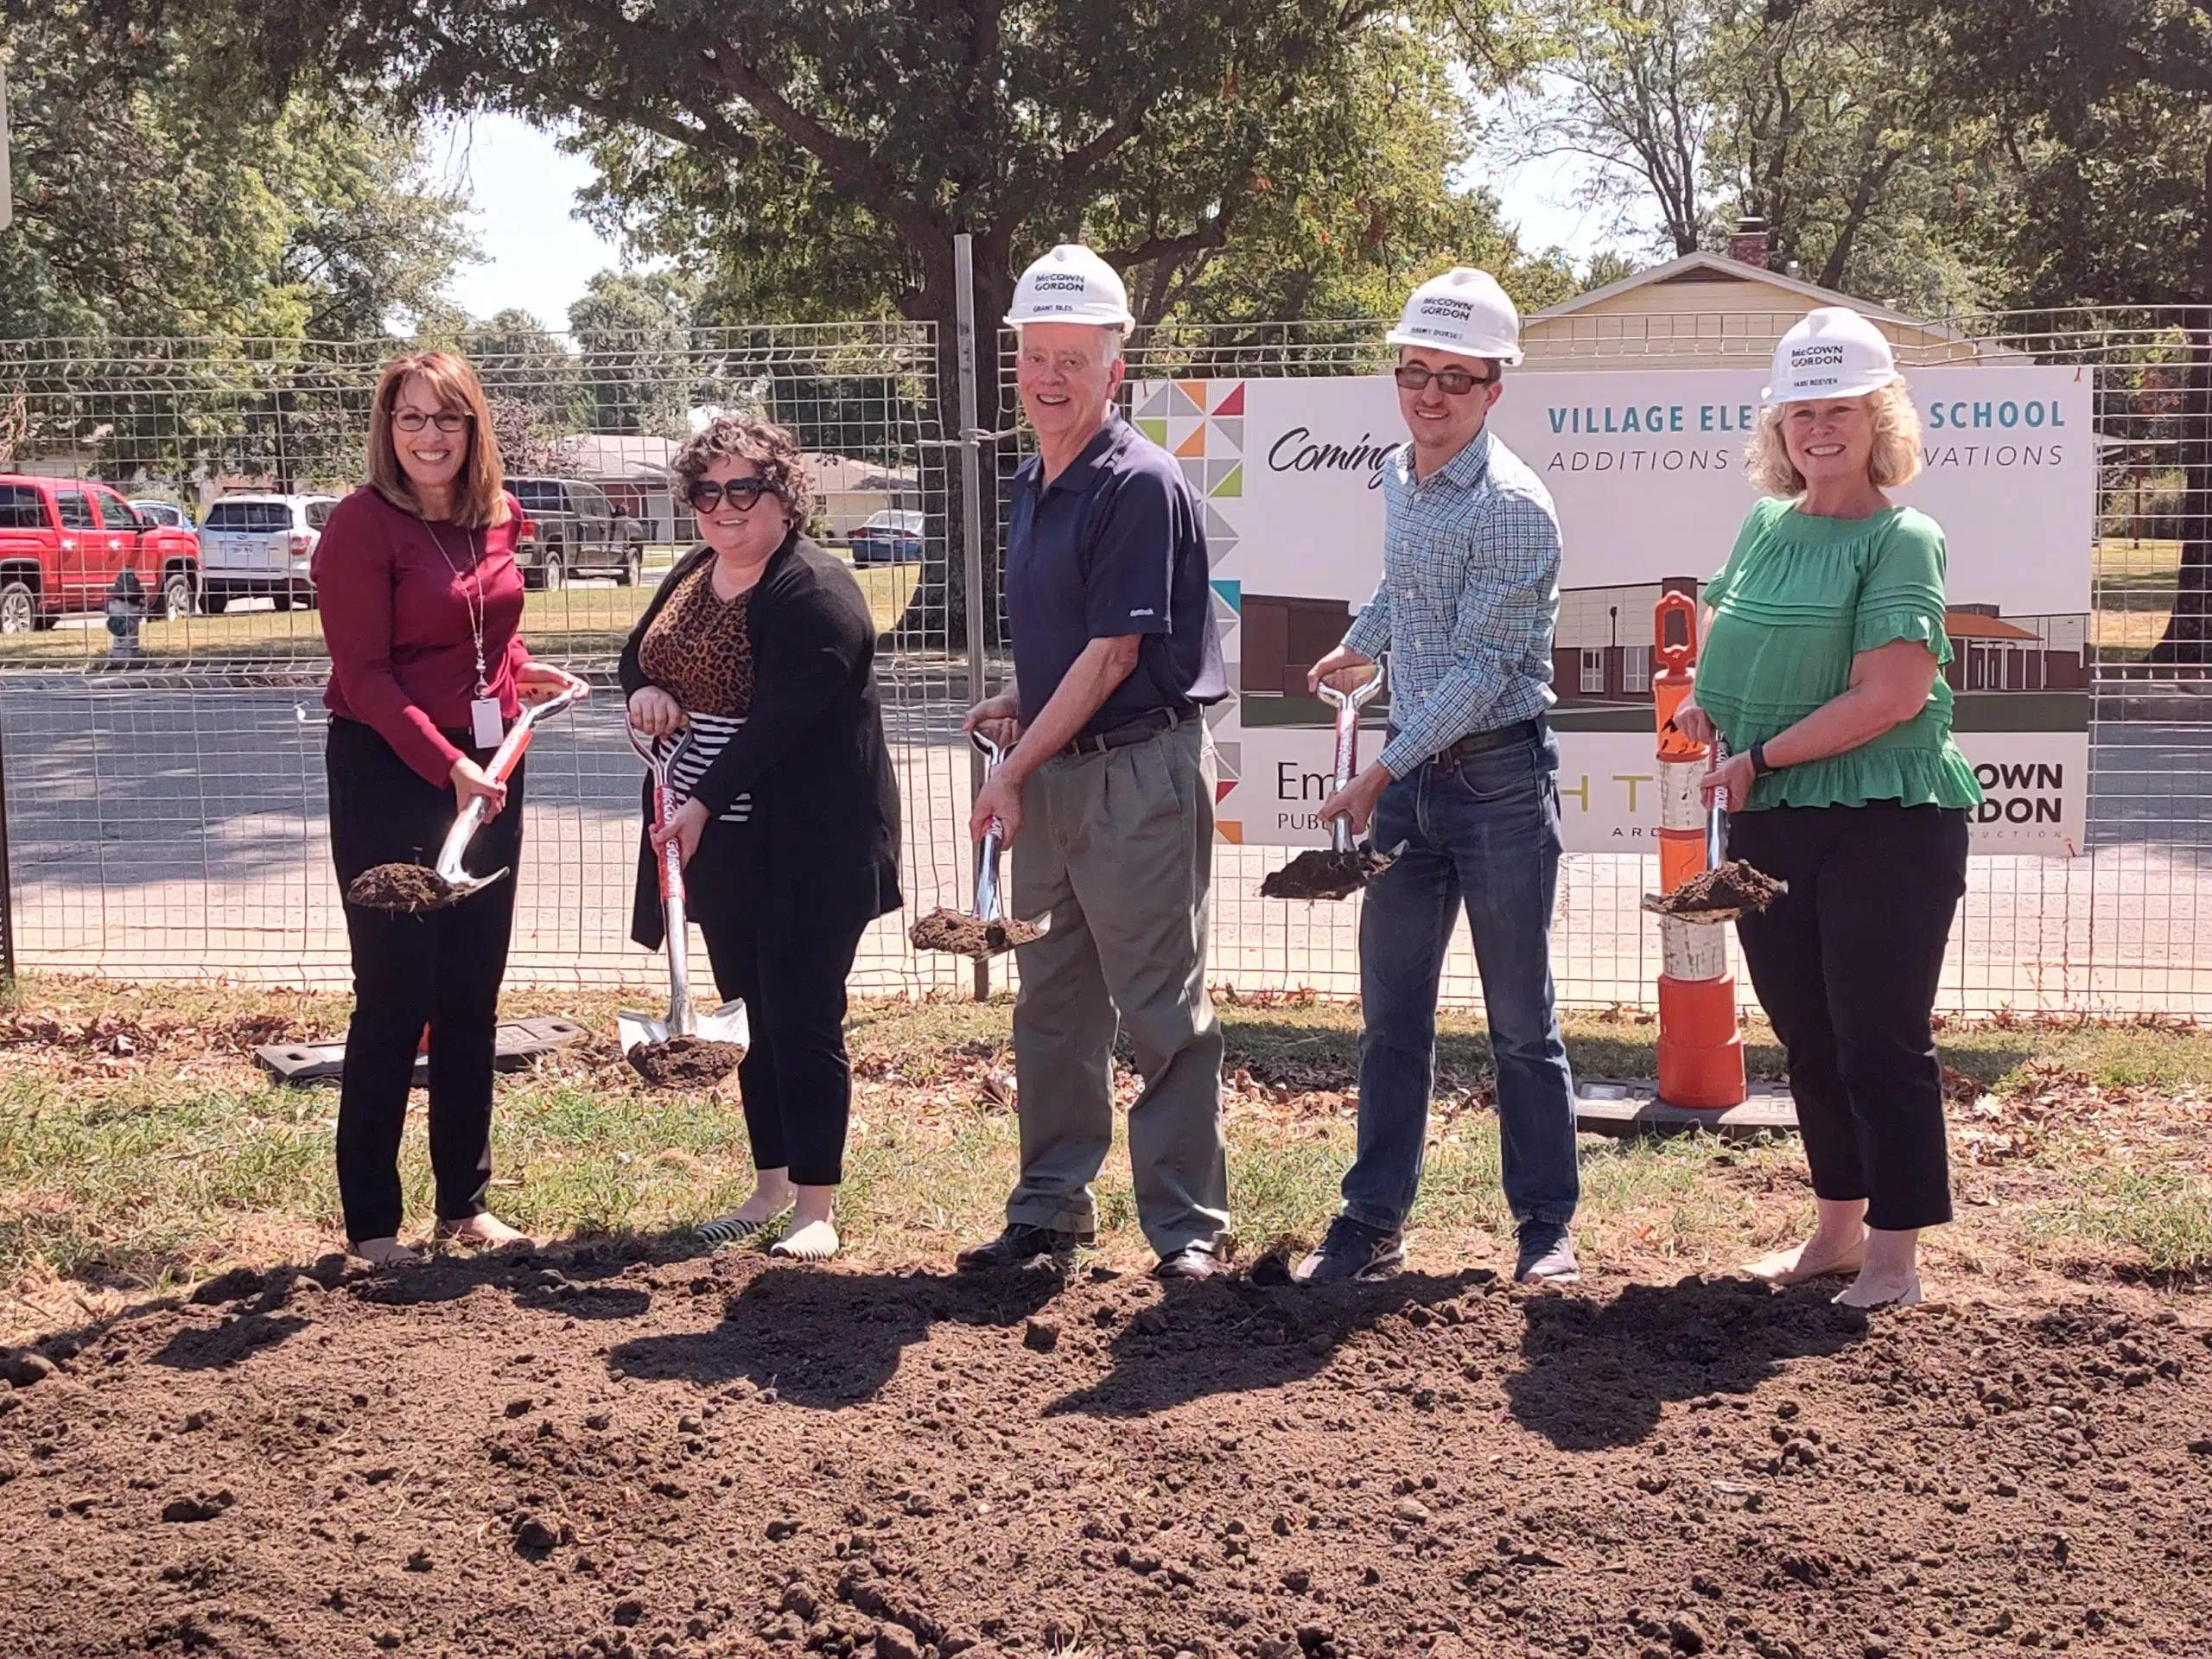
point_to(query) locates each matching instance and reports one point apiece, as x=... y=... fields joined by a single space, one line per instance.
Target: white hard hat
x=1831 y=353
x=1071 y=284
x=1464 y=311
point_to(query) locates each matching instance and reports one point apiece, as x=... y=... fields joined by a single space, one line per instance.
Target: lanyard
x=473 y=604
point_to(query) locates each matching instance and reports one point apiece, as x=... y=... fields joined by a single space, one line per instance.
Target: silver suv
x=255 y=543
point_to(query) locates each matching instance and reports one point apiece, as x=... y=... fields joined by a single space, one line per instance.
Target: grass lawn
x=592 y=620
x=141 y=1146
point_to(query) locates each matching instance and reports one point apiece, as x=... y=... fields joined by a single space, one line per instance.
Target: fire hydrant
x=126 y=609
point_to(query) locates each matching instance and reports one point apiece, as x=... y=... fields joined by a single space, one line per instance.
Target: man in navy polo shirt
x=1106 y=796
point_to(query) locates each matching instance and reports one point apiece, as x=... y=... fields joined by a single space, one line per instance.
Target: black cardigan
x=822 y=845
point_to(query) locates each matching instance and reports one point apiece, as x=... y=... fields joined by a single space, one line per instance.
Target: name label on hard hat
x=1060 y=283
x=1810 y=357
x=1437 y=305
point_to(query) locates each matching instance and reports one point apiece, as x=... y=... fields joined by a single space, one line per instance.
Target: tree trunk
x=2188 y=640
x=936 y=618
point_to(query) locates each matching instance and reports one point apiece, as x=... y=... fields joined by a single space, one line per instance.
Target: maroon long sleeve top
x=396 y=618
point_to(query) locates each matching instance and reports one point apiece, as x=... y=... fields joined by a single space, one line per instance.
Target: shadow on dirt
x=562 y=1280
x=1231 y=1336
x=831 y=1340
x=1596 y=1373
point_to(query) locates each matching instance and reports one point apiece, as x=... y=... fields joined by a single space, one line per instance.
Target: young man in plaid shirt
x=1466 y=607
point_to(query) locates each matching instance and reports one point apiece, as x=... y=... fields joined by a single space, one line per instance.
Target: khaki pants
x=1119 y=847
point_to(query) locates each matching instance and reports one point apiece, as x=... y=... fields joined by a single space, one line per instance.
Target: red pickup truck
x=63 y=542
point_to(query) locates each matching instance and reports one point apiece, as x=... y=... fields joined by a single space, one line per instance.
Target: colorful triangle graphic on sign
x=1195 y=444
x=1154 y=427
x=1234 y=403
x=1222 y=788
x=1231 y=431
x=1161 y=402
x=1229 y=830
x=1186 y=396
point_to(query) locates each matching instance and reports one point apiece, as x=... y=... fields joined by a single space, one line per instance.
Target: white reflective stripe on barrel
x=1680 y=804
x=1693 y=951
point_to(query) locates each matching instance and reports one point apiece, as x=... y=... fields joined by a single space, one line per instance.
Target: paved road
x=164 y=831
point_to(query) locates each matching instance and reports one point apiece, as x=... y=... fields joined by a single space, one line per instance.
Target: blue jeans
x=1484 y=833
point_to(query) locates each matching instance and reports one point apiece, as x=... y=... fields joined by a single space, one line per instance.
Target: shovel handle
x=1716 y=816
x=1348 y=705
x=681 y=1022
x=986 y=850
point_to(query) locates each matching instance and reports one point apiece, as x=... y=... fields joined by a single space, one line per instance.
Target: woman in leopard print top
x=753 y=670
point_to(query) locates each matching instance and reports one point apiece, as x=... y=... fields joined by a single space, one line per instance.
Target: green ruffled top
x=1800 y=596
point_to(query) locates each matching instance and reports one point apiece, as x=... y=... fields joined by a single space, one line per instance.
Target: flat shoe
x=732 y=1229
x=815 y=1242
x=1909 y=1298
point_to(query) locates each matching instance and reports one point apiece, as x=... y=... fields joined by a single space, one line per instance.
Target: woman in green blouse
x=1820 y=670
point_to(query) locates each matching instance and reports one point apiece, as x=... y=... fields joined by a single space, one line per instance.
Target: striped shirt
x=695 y=748
x=1468 y=600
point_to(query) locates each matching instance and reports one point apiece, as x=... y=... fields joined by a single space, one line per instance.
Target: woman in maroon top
x=421 y=603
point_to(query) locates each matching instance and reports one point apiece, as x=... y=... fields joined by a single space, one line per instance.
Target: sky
x=539 y=256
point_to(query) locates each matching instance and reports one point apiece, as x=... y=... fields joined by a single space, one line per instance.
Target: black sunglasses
x=743 y=493
x=1452 y=383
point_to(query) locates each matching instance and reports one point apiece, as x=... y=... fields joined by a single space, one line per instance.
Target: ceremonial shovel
x=1726 y=887
x=984 y=930
x=408 y=889
x=687 y=1047
x=1341 y=868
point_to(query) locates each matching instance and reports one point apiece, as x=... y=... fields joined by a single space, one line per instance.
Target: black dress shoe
x=1193 y=1261
x=1022 y=1245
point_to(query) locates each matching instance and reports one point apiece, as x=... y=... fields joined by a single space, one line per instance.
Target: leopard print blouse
x=697 y=650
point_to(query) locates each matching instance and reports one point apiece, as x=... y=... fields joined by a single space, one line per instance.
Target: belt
x=1144 y=726
x=1521 y=731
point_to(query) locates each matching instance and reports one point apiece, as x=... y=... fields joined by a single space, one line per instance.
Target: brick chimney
x=1748 y=245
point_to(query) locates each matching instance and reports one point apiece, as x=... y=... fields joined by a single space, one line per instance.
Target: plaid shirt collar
x=1465 y=471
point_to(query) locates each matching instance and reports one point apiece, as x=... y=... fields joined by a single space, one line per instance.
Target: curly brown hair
x=771 y=450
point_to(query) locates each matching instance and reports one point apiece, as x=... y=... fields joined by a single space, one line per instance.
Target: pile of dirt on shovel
x=685 y=1062
x=956 y=931
x=1732 y=886
x=402 y=887
x=1323 y=873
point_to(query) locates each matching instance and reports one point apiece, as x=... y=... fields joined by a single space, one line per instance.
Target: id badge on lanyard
x=486 y=725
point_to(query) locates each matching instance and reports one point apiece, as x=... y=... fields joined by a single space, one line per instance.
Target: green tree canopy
x=155 y=196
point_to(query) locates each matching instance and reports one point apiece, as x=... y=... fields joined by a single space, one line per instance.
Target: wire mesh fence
x=165 y=808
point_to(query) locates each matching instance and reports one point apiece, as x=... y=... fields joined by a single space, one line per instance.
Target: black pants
x=442 y=969
x=1846 y=964
x=797 y=1082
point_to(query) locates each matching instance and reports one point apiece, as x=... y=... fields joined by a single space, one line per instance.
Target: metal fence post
x=971 y=514
x=7 y=881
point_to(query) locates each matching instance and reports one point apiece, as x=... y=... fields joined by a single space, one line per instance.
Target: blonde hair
x=478 y=492
x=1895 y=459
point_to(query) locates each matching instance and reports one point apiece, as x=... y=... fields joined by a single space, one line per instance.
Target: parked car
x=166 y=513
x=258 y=543
x=64 y=542
x=889 y=537
x=569 y=528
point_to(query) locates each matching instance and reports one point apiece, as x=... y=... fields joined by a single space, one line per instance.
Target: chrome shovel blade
x=727 y=1023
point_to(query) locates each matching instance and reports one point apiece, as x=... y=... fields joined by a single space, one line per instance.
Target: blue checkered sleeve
x=1480 y=676
x=1370 y=633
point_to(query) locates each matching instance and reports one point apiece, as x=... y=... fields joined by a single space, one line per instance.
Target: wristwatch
x=1760 y=765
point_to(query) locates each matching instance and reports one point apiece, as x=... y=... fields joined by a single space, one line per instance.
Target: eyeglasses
x=743 y=493
x=446 y=420
x=1452 y=383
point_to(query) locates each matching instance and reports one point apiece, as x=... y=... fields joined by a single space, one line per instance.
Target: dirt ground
x=623 y=1451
